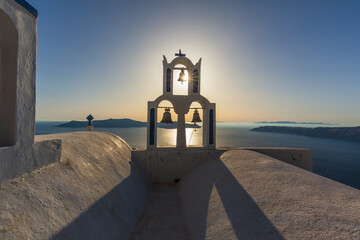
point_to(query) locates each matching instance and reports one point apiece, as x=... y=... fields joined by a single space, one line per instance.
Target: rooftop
x=28 y=7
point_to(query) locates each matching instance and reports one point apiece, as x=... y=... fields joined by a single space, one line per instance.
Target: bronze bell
x=196 y=117
x=182 y=76
x=167 y=116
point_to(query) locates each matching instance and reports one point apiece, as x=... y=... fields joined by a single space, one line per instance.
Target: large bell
x=196 y=117
x=182 y=76
x=167 y=116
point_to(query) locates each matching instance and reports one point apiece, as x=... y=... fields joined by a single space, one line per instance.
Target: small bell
x=196 y=117
x=167 y=116
x=182 y=76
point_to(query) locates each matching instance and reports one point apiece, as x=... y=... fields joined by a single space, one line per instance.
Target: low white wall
x=15 y=161
x=300 y=157
x=94 y=192
x=247 y=195
x=167 y=165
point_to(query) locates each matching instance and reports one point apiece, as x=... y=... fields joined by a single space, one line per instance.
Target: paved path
x=161 y=218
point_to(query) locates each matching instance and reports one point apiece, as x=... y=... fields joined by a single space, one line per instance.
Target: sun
x=186 y=76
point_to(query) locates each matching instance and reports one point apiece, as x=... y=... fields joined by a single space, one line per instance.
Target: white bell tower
x=181 y=103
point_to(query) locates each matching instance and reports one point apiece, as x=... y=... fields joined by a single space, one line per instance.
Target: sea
x=335 y=159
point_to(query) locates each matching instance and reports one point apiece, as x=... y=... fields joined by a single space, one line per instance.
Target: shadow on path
x=206 y=219
x=161 y=217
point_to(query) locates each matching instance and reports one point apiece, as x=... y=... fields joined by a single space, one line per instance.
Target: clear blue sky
x=262 y=60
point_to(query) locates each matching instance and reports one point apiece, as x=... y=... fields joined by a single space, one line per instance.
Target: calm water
x=335 y=159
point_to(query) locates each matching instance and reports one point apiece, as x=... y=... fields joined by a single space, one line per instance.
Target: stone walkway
x=161 y=218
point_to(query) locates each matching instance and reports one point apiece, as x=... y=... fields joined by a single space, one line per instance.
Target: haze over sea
x=336 y=159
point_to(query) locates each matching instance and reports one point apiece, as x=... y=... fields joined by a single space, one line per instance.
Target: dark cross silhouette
x=180 y=54
x=90 y=118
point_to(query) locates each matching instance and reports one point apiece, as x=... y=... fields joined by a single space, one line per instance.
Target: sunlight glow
x=194 y=138
x=186 y=76
x=189 y=132
x=180 y=88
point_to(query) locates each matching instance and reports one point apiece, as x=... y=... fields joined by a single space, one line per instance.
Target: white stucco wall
x=167 y=165
x=247 y=195
x=299 y=157
x=97 y=191
x=25 y=24
x=21 y=154
x=94 y=192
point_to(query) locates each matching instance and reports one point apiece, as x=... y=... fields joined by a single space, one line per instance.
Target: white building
x=18 y=151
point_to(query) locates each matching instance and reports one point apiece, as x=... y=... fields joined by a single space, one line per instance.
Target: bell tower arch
x=193 y=81
x=181 y=103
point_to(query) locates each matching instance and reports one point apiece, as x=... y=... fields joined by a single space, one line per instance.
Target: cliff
x=289 y=122
x=343 y=133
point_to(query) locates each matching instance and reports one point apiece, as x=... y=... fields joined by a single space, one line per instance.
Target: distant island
x=121 y=123
x=288 y=122
x=342 y=133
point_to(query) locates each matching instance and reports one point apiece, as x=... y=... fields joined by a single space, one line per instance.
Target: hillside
x=302 y=123
x=343 y=133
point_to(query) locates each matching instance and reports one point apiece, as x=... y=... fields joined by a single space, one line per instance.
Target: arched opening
x=168 y=80
x=211 y=127
x=195 y=81
x=180 y=88
x=194 y=132
x=152 y=127
x=166 y=132
x=8 y=78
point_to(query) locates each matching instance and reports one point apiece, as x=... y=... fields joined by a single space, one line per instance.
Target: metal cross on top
x=180 y=54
